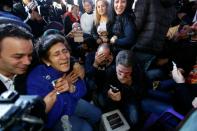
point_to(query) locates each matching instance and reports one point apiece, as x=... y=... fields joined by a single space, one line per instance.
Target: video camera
x=21 y=112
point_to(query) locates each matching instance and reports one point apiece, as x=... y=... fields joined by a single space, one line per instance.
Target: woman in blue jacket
x=60 y=82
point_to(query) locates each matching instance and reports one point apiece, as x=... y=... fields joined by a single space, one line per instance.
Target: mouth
x=65 y=63
x=23 y=69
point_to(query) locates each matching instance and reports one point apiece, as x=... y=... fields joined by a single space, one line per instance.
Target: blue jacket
x=39 y=82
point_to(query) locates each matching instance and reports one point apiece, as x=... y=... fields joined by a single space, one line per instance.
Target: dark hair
x=46 y=42
x=52 y=31
x=128 y=10
x=124 y=58
x=11 y=30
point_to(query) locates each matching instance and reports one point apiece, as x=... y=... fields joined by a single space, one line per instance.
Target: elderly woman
x=60 y=82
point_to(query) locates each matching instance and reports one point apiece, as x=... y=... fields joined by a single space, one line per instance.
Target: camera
x=21 y=112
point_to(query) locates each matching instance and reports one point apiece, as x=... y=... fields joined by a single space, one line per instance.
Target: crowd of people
x=111 y=54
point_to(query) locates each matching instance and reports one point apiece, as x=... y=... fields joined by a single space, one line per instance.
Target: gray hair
x=124 y=58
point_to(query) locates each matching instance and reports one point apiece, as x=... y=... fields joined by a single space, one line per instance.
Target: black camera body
x=21 y=112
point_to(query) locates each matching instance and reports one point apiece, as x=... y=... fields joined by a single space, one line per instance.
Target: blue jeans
x=79 y=124
x=131 y=113
x=154 y=106
x=88 y=111
x=76 y=123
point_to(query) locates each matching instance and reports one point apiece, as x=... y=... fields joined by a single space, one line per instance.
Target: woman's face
x=75 y=10
x=101 y=7
x=59 y=57
x=120 y=6
x=87 y=7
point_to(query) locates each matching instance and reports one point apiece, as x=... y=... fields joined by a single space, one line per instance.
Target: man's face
x=123 y=73
x=107 y=54
x=15 y=56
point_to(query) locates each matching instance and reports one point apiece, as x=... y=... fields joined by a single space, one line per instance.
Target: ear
x=46 y=62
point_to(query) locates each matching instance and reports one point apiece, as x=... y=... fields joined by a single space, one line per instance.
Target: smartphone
x=114 y=89
x=53 y=83
x=174 y=65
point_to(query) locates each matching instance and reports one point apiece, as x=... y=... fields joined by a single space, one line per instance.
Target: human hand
x=49 y=100
x=177 y=76
x=79 y=70
x=99 y=59
x=194 y=102
x=72 y=77
x=113 y=39
x=61 y=85
x=114 y=96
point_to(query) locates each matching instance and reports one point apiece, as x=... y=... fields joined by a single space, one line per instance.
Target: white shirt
x=9 y=83
x=86 y=22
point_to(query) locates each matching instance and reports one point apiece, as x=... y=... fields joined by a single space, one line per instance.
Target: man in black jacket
x=153 y=18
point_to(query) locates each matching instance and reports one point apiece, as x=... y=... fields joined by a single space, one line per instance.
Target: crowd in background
x=91 y=57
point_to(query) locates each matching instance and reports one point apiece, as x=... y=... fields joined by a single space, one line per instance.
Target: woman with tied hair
x=101 y=22
x=123 y=27
x=59 y=81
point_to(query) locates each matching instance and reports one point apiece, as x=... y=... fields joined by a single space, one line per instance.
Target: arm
x=89 y=68
x=128 y=38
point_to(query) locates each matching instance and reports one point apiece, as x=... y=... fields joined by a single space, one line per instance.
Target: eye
x=56 y=54
x=17 y=56
x=65 y=51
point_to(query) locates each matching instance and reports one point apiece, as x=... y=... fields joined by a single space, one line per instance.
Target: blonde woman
x=101 y=22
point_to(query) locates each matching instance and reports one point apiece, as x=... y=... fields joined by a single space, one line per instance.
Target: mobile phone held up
x=114 y=89
x=174 y=65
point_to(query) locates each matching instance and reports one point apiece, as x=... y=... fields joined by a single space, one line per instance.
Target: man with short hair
x=97 y=66
x=121 y=91
x=15 y=53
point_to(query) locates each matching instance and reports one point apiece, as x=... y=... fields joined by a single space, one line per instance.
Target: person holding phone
x=121 y=90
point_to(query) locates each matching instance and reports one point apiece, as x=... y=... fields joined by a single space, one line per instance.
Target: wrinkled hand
x=99 y=58
x=62 y=85
x=114 y=96
x=194 y=102
x=177 y=76
x=72 y=77
x=79 y=70
x=49 y=100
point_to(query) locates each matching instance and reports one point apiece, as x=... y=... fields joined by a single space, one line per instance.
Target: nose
x=27 y=60
x=123 y=75
x=63 y=56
